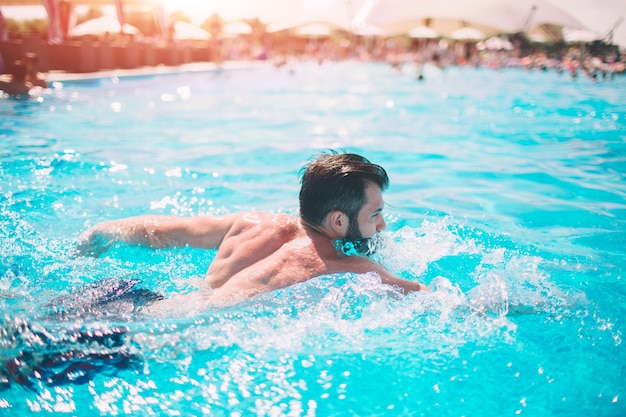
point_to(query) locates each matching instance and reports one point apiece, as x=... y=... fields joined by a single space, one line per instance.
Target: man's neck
x=332 y=244
x=316 y=230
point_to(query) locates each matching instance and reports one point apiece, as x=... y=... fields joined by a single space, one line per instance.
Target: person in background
x=16 y=84
x=33 y=75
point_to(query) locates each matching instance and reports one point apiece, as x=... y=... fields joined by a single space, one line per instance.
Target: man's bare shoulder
x=280 y=220
x=278 y=224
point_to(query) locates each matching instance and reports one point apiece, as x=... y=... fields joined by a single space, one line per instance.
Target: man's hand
x=93 y=242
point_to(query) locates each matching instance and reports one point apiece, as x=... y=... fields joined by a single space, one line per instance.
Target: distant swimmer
x=341 y=206
x=33 y=75
x=16 y=85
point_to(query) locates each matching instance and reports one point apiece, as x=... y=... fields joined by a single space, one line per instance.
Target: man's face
x=370 y=218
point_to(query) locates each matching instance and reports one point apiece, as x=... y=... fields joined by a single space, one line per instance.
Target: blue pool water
x=507 y=198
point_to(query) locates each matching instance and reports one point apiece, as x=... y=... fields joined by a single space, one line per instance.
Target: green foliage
x=179 y=16
x=92 y=13
x=18 y=28
x=212 y=24
x=142 y=20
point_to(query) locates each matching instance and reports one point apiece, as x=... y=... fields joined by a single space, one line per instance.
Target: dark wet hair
x=336 y=181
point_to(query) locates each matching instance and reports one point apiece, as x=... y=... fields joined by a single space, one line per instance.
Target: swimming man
x=341 y=207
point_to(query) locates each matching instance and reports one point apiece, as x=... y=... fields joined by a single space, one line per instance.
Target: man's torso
x=263 y=252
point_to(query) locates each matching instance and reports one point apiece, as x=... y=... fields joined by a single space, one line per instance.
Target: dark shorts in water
x=45 y=350
x=112 y=299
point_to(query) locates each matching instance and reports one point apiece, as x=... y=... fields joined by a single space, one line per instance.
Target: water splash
x=339 y=314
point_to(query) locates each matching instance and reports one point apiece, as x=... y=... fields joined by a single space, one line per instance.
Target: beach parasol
x=314 y=29
x=580 y=35
x=423 y=32
x=468 y=33
x=186 y=30
x=496 y=43
x=102 y=25
x=237 y=28
x=369 y=30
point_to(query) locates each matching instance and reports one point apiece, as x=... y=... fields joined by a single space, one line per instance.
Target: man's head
x=341 y=183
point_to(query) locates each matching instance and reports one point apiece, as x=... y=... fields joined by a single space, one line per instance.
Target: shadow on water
x=61 y=356
x=46 y=349
x=16 y=107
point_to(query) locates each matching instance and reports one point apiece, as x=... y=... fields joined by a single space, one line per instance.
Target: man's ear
x=338 y=222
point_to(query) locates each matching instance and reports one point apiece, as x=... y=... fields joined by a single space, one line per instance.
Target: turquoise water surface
x=507 y=198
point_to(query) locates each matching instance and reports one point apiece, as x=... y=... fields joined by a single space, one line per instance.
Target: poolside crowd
x=401 y=53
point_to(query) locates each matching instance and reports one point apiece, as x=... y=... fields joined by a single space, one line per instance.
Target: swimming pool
x=507 y=197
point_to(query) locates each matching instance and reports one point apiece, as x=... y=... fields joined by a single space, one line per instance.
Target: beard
x=353 y=234
x=355 y=244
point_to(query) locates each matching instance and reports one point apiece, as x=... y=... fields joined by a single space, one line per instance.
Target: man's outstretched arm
x=156 y=232
x=404 y=285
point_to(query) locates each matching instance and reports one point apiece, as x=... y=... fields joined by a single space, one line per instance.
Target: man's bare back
x=263 y=252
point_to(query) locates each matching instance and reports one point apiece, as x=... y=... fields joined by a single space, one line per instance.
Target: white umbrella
x=538 y=37
x=186 y=30
x=580 y=35
x=237 y=28
x=102 y=25
x=314 y=29
x=467 y=33
x=423 y=32
x=497 y=43
x=369 y=30
x=445 y=27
